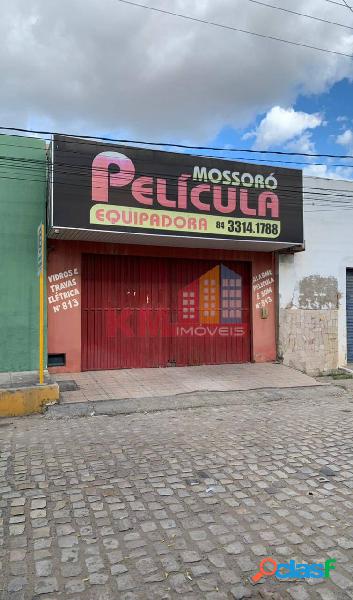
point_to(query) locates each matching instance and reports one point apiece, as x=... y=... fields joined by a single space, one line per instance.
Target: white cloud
x=346 y=139
x=328 y=172
x=105 y=67
x=303 y=143
x=282 y=125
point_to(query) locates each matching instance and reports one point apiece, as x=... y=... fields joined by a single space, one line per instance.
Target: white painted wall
x=328 y=234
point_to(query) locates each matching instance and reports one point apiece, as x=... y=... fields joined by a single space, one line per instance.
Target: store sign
x=126 y=189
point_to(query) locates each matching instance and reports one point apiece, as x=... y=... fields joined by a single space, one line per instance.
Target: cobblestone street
x=179 y=504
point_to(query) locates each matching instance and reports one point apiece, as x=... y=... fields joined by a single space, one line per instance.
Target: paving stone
x=229 y=576
x=71 y=569
x=74 y=586
x=98 y=578
x=110 y=509
x=46 y=585
x=17 y=555
x=165 y=492
x=65 y=529
x=124 y=582
x=170 y=563
x=17 y=529
x=38 y=503
x=234 y=548
x=341 y=580
x=146 y=566
x=44 y=568
x=69 y=555
x=189 y=556
x=118 y=569
x=299 y=592
x=239 y=592
x=198 y=570
x=217 y=559
x=179 y=583
x=67 y=541
x=16 y=584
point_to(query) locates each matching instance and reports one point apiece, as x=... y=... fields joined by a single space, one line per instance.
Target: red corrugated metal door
x=154 y=312
x=211 y=309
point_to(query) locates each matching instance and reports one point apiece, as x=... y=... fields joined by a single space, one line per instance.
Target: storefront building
x=158 y=259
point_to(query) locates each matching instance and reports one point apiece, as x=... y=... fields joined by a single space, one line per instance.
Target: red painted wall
x=64 y=304
x=64 y=320
x=263 y=308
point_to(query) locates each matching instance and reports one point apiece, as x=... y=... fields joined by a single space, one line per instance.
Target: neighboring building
x=23 y=192
x=316 y=286
x=158 y=259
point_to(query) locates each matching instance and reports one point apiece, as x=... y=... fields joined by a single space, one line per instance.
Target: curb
x=17 y=402
x=185 y=401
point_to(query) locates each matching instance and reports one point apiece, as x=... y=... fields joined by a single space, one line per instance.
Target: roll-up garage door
x=158 y=312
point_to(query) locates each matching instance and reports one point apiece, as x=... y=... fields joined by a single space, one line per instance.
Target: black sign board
x=127 y=189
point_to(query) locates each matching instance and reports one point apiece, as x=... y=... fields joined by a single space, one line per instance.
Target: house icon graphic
x=214 y=298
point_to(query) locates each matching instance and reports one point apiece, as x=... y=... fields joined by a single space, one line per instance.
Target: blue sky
x=335 y=110
x=128 y=72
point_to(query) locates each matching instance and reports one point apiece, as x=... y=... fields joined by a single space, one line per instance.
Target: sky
x=110 y=68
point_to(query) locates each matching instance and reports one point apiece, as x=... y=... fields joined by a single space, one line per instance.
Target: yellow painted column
x=41 y=304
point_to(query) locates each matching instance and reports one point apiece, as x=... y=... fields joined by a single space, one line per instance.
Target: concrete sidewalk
x=95 y=386
x=22 y=379
x=181 y=402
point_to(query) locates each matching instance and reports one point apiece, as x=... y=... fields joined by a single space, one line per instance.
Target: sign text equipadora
x=121 y=216
x=126 y=189
x=292 y=570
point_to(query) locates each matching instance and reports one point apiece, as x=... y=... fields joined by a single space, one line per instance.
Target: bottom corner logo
x=269 y=567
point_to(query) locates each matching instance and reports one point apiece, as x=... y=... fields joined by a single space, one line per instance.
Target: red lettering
x=100 y=215
x=195 y=196
x=102 y=178
x=162 y=194
x=180 y=222
x=116 y=321
x=113 y=216
x=268 y=200
x=231 y=199
x=143 y=218
x=153 y=323
x=142 y=190
x=166 y=221
x=245 y=209
x=183 y=191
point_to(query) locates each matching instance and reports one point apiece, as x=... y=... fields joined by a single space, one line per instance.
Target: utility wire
x=334 y=2
x=293 y=12
x=91 y=139
x=75 y=169
x=231 y=28
x=348 y=6
x=309 y=198
x=326 y=196
x=268 y=162
x=83 y=169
